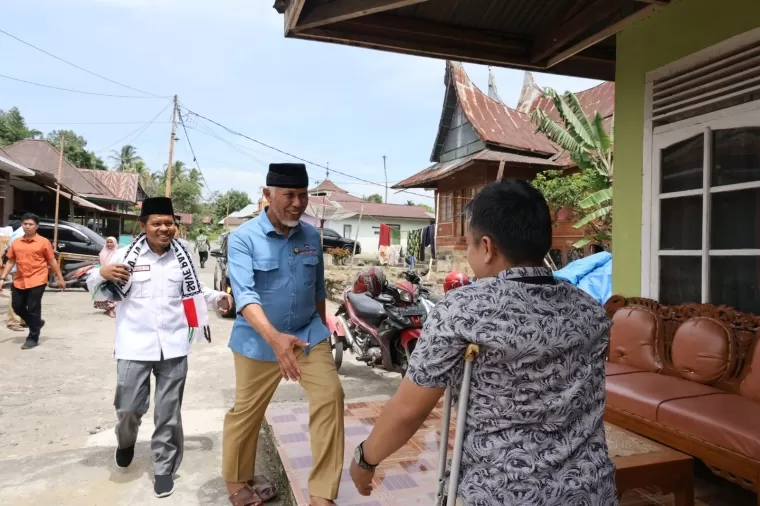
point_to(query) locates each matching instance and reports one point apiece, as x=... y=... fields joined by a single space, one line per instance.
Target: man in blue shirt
x=277 y=274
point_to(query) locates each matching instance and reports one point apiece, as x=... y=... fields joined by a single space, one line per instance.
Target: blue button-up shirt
x=284 y=275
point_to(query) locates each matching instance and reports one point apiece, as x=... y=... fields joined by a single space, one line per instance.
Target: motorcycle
x=74 y=275
x=382 y=330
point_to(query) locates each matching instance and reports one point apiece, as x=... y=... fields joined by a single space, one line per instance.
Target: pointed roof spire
x=529 y=94
x=493 y=92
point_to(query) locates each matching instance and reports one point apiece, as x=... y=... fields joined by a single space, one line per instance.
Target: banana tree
x=591 y=149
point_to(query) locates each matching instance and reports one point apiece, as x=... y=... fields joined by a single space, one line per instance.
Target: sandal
x=262 y=486
x=246 y=496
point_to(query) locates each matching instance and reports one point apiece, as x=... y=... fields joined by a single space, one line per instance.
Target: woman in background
x=112 y=245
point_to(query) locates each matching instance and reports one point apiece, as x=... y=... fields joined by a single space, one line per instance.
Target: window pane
x=735 y=220
x=680 y=280
x=736 y=156
x=681 y=223
x=681 y=165
x=735 y=281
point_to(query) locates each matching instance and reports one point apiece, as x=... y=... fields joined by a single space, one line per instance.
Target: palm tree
x=590 y=148
x=179 y=172
x=125 y=158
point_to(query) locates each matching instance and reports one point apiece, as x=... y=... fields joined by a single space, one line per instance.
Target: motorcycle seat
x=74 y=266
x=367 y=307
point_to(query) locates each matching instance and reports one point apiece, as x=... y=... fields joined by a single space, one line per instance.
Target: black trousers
x=28 y=305
x=203 y=256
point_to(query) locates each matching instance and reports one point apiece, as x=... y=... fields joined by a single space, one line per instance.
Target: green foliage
x=236 y=199
x=13 y=127
x=75 y=150
x=587 y=193
x=125 y=158
x=375 y=197
x=427 y=207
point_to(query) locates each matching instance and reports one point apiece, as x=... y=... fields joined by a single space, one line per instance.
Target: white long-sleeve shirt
x=151 y=319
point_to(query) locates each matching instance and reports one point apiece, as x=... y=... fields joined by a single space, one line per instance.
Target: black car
x=221 y=276
x=72 y=237
x=332 y=239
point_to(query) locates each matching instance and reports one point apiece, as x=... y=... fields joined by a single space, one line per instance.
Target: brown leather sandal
x=246 y=496
x=265 y=488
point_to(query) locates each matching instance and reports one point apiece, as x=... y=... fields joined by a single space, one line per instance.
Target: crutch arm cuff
x=473 y=350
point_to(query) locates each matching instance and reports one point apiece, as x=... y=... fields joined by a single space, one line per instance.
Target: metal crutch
x=470 y=355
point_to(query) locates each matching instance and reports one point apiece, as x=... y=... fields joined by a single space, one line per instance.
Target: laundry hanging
x=413 y=242
x=428 y=239
x=385 y=236
x=395 y=237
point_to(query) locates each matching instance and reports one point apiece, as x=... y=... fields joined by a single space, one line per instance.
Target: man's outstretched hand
x=284 y=349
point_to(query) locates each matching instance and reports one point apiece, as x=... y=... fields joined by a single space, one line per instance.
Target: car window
x=89 y=234
x=70 y=235
x=331 y=234
x=46 y=231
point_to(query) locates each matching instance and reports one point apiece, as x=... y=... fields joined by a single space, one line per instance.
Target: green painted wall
x=679 y=30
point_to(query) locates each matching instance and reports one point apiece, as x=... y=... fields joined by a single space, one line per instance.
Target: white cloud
x=247 y=180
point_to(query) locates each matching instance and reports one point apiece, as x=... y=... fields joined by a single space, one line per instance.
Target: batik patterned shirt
x=534 y=434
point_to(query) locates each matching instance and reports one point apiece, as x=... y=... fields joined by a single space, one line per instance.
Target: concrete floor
x=57 y=418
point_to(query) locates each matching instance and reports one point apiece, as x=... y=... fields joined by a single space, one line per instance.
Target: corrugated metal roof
x=39 y=155
x=600 y=98
x=493 y=121
x=444 y=169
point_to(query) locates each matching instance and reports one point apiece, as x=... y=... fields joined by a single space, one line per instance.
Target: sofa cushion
x=725 y=420
x=750 y=386
x=642 y=393
x=633 y=338
x=613 y=369
x=702 y=350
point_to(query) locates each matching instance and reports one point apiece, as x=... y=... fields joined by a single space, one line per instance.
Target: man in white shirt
x=162 y=304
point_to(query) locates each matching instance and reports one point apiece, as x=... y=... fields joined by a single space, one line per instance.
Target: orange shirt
x=32 y=257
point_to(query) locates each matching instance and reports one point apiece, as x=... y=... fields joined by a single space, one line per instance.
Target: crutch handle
x=473 y=350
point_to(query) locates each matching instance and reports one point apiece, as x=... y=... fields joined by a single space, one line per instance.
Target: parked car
x=72 y=237
x=221 y=277
x=332 y=239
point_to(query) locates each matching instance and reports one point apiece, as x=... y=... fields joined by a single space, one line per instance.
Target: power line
x=192 y=151
x=298 y=157
x=141 y=130
x=73 y=91
x=92 y=122
x=80 y=68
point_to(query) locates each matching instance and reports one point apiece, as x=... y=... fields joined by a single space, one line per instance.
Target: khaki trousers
x=255 y=384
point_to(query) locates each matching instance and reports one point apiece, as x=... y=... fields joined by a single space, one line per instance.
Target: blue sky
x=228 y=60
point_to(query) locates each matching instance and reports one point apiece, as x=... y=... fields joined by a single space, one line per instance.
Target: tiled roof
x=39 y=155
x=121 y=184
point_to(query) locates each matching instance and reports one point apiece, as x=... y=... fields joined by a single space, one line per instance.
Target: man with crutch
x=530 y=430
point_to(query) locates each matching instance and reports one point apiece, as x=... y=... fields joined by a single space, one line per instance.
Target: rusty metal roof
x=123 y=185
x=493 y=121
x=40 y=156
x=327 y=186
x=444 y=169
x=600 y=98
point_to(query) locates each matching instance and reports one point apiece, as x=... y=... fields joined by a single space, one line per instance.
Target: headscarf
x=106 y=253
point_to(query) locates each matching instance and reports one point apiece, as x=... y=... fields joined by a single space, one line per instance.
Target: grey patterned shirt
x=534 y=434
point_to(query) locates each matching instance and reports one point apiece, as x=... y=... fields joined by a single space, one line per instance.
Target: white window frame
x=347 y=226
x=656 y=138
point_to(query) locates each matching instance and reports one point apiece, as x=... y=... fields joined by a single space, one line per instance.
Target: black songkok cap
x=287 y=175
x=157 y=205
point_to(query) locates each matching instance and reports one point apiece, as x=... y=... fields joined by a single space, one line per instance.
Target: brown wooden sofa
x=689 y=377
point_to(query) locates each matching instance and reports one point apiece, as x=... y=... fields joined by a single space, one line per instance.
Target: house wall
x=683 y=28
x=369 y=229
x=460 y=188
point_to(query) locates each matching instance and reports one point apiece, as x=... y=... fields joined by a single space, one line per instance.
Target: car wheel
x=350 y=249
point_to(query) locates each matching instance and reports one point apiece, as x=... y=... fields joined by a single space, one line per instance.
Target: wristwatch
x=359 y=458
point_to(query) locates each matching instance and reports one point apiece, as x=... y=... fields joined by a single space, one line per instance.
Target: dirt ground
x=57 y=417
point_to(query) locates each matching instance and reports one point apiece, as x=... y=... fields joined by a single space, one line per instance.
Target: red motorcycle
x=379 y=322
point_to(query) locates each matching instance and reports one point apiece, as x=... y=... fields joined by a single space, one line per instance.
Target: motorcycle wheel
x=337 y=351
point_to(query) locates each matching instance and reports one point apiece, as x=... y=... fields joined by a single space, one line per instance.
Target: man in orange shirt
x=31 y=254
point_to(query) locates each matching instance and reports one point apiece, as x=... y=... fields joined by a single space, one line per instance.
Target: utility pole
x=168 y=192
x=386 y=180
x=327 y=175
x=58 y=194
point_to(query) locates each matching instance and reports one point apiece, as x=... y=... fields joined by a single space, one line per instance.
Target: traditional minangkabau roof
x=508 y=134
x=495 y=123
x=124 y=185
